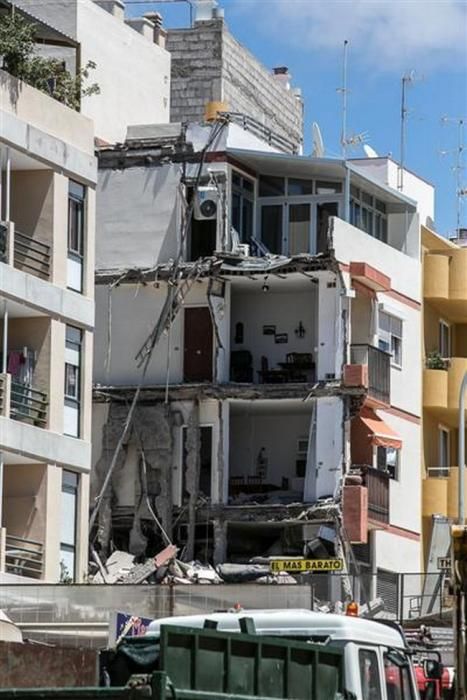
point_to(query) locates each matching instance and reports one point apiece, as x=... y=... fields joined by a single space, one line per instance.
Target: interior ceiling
x=21 y=161
x=16 y=310
x=271 y=407
x=293 y=282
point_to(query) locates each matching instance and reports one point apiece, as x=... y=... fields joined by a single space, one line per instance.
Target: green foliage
x=17 y=49
x=435 y=361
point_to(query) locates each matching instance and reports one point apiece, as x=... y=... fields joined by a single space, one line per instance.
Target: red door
x=197 y=366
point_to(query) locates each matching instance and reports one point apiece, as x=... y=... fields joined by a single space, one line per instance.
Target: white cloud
x=384 y=34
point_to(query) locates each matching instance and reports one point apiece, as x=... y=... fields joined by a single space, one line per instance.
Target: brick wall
x=208 y=64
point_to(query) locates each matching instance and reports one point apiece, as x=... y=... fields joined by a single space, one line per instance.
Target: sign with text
x=444 y=563
x=306 y=565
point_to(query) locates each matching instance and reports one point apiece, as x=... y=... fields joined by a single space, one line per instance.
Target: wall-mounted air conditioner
x=206 y=203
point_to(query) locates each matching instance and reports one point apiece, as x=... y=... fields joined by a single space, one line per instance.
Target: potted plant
x=435 y=361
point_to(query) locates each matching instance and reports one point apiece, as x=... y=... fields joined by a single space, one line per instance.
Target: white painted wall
x=353 y=245
x=386 y=170
x=329 y=446
x=395 y=553
x=132 y=72
x=329 y=331
x=284 y=310
x=134 y=311
x=277 y=432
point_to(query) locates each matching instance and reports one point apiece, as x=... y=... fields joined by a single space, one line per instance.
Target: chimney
x=114 y=7
x=160 y=34
x=282 y=75
x=141 y=25
x=205 y=10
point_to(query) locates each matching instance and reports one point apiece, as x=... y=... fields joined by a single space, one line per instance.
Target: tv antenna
x=406 y=80
x=369 y=151
x=318 y=143
x=344 y=91
x=459 y=166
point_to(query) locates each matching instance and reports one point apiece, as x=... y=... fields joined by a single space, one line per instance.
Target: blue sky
x=388 y=38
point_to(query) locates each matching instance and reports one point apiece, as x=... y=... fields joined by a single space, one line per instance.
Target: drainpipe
x=7 y=185
x=461 y=505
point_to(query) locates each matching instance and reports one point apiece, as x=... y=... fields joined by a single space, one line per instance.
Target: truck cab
x=377 y=664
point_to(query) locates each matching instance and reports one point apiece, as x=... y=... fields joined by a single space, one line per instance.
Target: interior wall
x=277 y=433
x=284 y=311
x=24 y=500
x=361 y=319
x=33 y=333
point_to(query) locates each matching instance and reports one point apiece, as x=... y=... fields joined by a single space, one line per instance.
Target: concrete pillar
x=59 y=239
x=55 y=389
x=52 y=523
x=220 y=542
x=82 y=529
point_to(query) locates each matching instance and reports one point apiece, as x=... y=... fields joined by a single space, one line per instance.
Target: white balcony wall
x=326 y=451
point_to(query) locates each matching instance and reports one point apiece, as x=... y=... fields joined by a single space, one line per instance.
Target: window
x=390 y=336
x=242 y=206
x=368 y=214
x=387 y=460
x=299 y=187
x=271 y=186
x=69 y=503
x=444 y=339
x=444 y=457
x=76 y=211
x=73 y=351
x=323 y=187
x=369 y=675
x=397 y=676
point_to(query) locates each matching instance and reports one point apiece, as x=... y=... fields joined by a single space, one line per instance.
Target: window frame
x=75 y=344
x=444 y=327
x=244 y=194
x=375 y=211
x=444 y=433
x=374 y=652
x=392 y=471
x=386 y=337
x=72 y=489
x=78 y=201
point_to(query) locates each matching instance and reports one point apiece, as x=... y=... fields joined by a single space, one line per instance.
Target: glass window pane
x=354 y=191
x=248 y=185
x=247 y=220
x=236 y=199
x=67 y=563
x=299 y=228
x=380 y=205
x=271 y=227
x=384 y=321
x=323 y=187
x=271 y=186
x=71 y=381
x=369 y=675
x=68 y=519
x=367 y=199
x=76 y=190
x=299 y=187
x=73 y=335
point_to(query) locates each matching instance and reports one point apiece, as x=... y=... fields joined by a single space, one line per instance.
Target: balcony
x=377 y=483
x=23 y=557
x=445 y=282
x=370 y=368
x=440 y=491
x=441 y=386
x=24 y=252
x=23 y=403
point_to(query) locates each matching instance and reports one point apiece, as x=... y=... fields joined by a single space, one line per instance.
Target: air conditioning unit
x=206 y=203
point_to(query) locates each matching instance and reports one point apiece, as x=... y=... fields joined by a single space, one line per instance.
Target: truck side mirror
x=432 y=668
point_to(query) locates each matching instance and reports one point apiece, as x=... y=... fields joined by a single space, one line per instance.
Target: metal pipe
x=5 y=338
x=7 y=185
x=461 y=499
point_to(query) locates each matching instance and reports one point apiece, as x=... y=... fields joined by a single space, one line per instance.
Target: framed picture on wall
x=282 y=338
x=269 y=330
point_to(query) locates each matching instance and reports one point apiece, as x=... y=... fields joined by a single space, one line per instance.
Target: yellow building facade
x=445 y=362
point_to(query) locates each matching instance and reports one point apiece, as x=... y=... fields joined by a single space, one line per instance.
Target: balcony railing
x=379 y=370
x=377 y=483
x=28 y=405
x=24 y=557
x=31 y=255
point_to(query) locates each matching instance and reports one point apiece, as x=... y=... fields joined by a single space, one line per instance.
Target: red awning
x=380 y=433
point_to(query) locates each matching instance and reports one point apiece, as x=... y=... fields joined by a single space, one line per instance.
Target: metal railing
x=377 y=483
x=379 y=369
x=28 y=404
x=2 y=394
x=31 y=255
x=24 y=557
x=263 y=132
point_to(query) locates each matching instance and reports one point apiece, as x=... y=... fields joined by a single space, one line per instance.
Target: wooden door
x=197 y=364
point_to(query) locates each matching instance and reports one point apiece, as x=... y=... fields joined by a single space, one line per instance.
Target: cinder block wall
x=208 y=64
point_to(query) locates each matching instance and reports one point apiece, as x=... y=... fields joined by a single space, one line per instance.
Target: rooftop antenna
x=407 y=79
x=459 y=166
x=318 y=143
x=343 y=90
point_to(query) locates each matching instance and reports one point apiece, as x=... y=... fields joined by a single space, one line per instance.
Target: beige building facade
x=47 y=201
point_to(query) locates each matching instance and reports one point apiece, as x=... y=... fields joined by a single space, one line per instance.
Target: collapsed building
x=258 y=324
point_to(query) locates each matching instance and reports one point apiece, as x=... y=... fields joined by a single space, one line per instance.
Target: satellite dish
x=318 y=144
x=369 y=151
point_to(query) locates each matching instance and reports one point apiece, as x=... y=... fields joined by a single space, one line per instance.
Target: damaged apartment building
x=258 y=317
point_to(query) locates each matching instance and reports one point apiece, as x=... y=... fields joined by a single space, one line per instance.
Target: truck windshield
x=397 y=674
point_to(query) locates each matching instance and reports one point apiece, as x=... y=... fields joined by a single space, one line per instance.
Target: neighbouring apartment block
x=268 y=305
x=445 y=364
x=132 y=67
x=47 y=211
x=210 y=65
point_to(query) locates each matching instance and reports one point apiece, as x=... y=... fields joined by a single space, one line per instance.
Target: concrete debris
x=242 y=573
x=196 y=572
x=282 y=577
x=117 y=566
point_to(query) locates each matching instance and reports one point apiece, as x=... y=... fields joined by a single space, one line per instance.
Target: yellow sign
x=304 y=565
